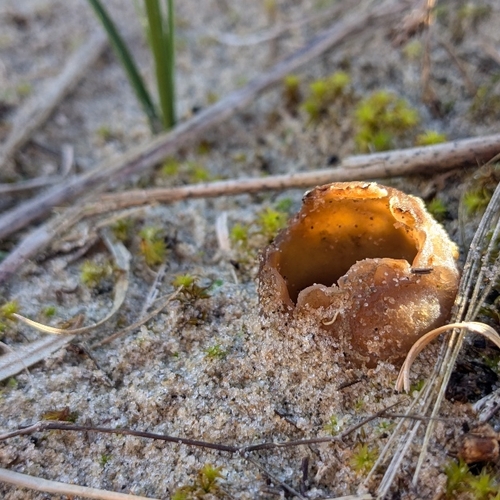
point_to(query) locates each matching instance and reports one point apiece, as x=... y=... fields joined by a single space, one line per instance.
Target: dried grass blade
x=14 y=362
x=403 y=381
x=71 y=490
x=479 y=272
x=122 y=258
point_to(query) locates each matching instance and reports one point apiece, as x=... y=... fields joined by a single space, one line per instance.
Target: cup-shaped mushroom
x=368 y=263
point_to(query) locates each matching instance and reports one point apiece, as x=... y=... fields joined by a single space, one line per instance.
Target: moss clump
x=480 y=190
x=335 y=425
x=459 y=479
x=122 y=229
x=476 y=200
x=152 y=245
x=270 y=221
x=457 y=475
x=430 y=137
x=207 y=482
x=8 y=309
x=239 y=234
x=170 y=167
x=325 y=92
x=248 y=238
x=191 y=289
x=413 y=50
x=215 y=352
x=486 y=102
x=92 y=274
x=437 y=209
x=49 y=311
x=186 y=172
x=381 y=119
x=363 y=458
x=291 y=92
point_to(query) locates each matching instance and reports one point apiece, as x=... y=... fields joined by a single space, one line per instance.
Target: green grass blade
x=171 y=57
x=128 y=64
x=164 y=65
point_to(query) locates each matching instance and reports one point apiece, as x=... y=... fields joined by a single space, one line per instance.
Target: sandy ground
x=212 y=369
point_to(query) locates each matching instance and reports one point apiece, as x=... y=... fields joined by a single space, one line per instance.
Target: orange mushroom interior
x=322 y=245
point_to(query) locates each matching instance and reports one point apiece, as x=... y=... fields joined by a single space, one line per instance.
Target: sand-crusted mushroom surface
x=369 y=263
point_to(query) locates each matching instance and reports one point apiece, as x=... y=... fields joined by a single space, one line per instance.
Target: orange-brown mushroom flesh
x=347 y=260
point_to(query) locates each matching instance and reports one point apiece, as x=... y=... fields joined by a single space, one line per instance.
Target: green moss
x=12 y=383
x=284 y=205
x=152 y=245
x=49 y=311
x=323 y=93
x=437 y=209
x=270 y=221
x=8 y=309
x=413 y=50
x=197 y=173
x=291 y=92
x=483 y=486
x=215 y=352
x=384 y=427
x=417 y=386
x=381 y=119
x=24 y=89
x=104 y=459
x=363 y=458
x=122 y=229
x=184 y=280
x=207 y=482
x=249 y=238
x=430 y=137
x=480 y=189
x=104 y=133
x=473 y=13
x=239 y=234
x=486 y=102
x=191 y=289
x=239 y=157
x=459 y=479
x=190 y=171
x=212 y=97
x=334 y=425
x=457 y=476
x=93 y=274
x=476 y=200
x=170 y=167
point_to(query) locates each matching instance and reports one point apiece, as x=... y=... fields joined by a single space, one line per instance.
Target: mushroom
x=368 y=264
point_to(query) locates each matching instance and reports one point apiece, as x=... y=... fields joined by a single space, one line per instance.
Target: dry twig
x=241 y=451
x=440 y=157
x=399 y=163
